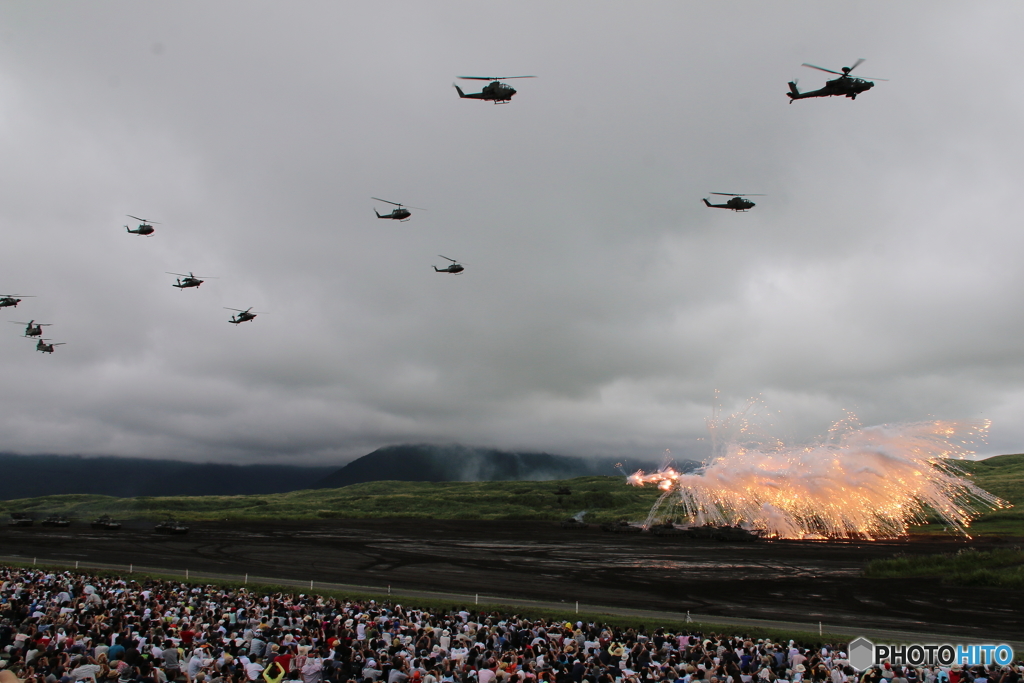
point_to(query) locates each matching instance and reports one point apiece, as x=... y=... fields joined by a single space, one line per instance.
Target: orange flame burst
x=858 y=483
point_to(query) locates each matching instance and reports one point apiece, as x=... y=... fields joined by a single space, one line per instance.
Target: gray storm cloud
x=602 y=306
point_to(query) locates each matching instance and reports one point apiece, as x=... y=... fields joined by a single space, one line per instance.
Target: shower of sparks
x=871 y=482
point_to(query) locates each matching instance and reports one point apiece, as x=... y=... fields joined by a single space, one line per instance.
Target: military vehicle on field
x=19 y=519
x=57 y=521
x=106 y=522
x=171 y=527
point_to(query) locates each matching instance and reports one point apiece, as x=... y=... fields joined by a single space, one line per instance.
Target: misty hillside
x=424 y=462
x=31 y=476
x=28 y=476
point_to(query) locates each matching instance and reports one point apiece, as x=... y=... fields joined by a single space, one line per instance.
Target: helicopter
x=399 y=214
x=12 y=299
x=189 y=281
x=241 y=316
x=32 y=330
x=495 y=91
x=145 y=229
x=41 y=345
x=844 y=85
x=455 y=267
x=737 y=203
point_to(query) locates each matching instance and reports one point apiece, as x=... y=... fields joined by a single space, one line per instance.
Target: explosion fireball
x=871 y=482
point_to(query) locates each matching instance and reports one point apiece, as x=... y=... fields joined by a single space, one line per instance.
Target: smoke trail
x=856 y=482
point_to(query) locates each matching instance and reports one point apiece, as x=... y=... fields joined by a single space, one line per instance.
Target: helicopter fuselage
x=141 y=230
x=399 y=214
x=736 y=204
x=454 y=268
x=9 y=301
x=846 y=86
x=495 y=91
x=188 y=282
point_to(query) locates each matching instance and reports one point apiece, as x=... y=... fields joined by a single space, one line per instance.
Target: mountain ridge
x=450 y=463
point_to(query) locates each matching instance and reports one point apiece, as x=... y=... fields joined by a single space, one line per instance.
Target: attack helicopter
x=496 y=91
x=400 y=214
x=146 y=228
x=12 y=299
x=41 y=345
x=32 y=329
x=844 y=85
x=241 y=316
x=455 y=267
x=189 y=280
x=737 y=203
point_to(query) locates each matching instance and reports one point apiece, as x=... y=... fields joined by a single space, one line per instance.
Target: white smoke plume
x=871 y=482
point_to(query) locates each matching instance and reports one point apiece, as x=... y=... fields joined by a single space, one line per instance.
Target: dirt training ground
x=793 y=581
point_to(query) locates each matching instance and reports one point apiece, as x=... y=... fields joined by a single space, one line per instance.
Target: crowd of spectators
x=71 y=627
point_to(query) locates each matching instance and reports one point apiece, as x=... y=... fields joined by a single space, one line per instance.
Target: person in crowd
x=71 y=627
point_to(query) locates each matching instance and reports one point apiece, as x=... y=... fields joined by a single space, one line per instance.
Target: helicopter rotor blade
x=15 y=296
x=385 y=201
x=837 y=73
x=491 y=78
x=142 y=219
x=445 y=257
x=737 y=194
x=856 y=64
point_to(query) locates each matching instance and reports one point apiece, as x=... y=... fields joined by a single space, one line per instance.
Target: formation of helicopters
x=34 y=329
x=190 y=280
x=499 y=93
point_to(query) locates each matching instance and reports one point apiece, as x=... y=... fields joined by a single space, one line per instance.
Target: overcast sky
x=602 y=305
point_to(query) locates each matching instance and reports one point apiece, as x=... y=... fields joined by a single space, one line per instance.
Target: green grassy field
x=1003 y=476
x=1002 y=568
x=603 y=498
